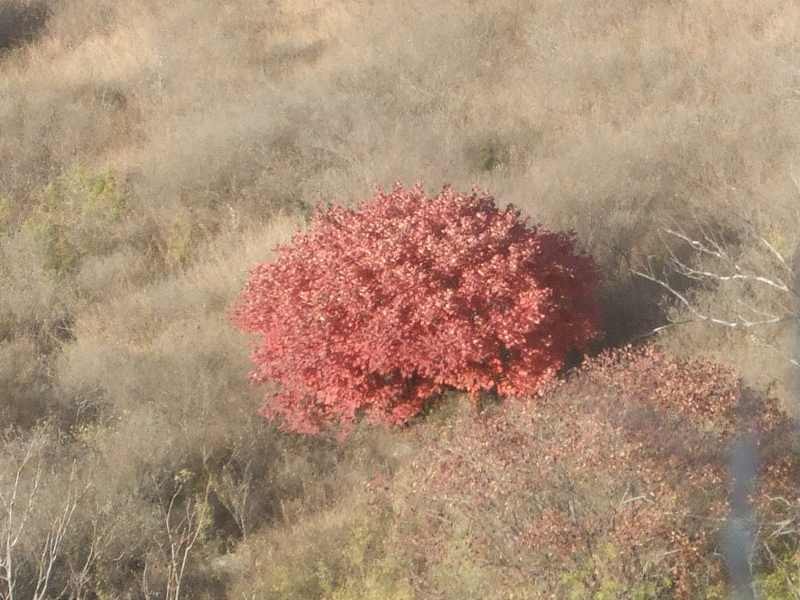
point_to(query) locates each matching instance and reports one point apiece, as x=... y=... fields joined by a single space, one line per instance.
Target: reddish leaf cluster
x=620 y=474
x=375 y=311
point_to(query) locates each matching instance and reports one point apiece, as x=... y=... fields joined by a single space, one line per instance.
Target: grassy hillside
x=152 y=152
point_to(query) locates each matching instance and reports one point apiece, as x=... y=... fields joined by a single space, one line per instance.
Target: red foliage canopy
x=377 y=310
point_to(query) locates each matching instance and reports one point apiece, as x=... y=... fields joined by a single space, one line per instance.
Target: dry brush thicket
x=614 y=485
x=151 y=153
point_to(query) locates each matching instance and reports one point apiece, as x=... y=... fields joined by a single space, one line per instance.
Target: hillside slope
x=152 y=152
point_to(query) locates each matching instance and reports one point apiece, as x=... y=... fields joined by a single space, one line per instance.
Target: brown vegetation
x=613 y=485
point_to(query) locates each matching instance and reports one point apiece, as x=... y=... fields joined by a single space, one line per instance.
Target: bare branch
x=14 y=519
x=55 y=538
x=781 y=260
x=182 y=533
x=739 y=323
x=709 y=261
x=234 y=494
x=737 y=275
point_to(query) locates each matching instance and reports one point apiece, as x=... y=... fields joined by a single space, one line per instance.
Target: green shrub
x=77 y=215
x=783 y=582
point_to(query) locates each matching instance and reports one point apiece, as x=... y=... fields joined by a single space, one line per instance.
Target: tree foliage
x=377 y=310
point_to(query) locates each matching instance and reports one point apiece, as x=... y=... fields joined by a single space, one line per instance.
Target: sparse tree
x=183 y=526
x=233 y=491
x=765 y=281
x=20 y=495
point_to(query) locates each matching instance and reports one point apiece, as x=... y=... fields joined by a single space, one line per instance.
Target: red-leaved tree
x=375 y=311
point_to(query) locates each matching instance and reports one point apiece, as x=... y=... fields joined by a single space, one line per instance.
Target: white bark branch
x=710 y=262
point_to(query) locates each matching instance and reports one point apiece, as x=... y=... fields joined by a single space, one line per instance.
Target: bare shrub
x=29 y=563
x=732 y=281
x=25 y=386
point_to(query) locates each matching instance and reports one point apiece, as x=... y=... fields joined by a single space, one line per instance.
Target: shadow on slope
x=21 y=21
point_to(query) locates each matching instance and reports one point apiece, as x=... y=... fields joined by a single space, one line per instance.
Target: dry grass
x=598 y=117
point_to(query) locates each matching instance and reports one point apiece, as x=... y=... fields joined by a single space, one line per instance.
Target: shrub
x=375 y=311
x=5 y=213
x=334 y=554
x=616 y=480
x=24 y=386
x=78 y=215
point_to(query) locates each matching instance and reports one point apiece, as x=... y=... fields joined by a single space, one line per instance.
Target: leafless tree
x=703 y=258
x=79 y=574
x=182 y=529
x=19 y=496
x=233 y=492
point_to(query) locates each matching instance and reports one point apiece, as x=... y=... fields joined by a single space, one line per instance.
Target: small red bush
x=377 y=310
x=617 y=479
